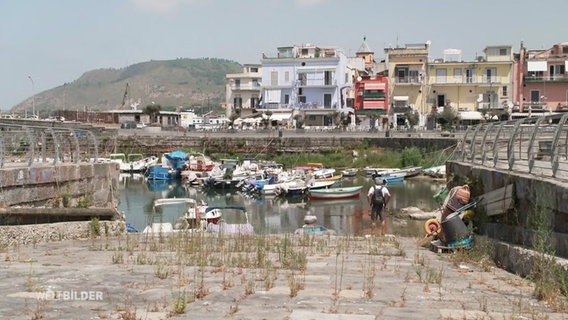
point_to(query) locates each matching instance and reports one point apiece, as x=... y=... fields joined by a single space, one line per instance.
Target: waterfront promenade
x=268 y=277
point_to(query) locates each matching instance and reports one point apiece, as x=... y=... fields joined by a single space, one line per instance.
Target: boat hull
x=335 y=193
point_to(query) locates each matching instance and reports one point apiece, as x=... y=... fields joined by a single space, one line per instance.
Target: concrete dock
x=265 y=277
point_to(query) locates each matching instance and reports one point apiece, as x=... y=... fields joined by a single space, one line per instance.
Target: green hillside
x=170 y=83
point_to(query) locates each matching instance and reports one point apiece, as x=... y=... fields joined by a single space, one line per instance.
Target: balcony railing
x=374 y=95
x=483 y=80
x=409 y=80
x=554 y=77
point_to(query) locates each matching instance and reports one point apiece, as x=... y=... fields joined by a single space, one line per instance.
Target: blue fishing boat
x=170 y=168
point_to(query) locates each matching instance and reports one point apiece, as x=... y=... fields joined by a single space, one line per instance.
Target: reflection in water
x=272 y=215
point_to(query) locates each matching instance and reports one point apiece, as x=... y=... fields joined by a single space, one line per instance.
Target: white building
x=305 y=80
x=242 y=90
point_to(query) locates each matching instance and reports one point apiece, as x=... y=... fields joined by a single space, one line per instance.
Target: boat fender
x=432 y=227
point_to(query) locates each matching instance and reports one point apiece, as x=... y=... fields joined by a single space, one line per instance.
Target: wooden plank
x=497 y=201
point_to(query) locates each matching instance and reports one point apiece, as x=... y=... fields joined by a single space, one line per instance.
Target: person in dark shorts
x=378 y=198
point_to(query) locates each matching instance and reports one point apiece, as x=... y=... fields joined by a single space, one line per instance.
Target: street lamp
x=33 y=95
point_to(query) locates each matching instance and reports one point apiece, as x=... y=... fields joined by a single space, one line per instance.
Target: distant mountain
x=170 y=83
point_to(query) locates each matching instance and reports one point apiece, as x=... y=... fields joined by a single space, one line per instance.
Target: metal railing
x=36 y=145
x=535 y=145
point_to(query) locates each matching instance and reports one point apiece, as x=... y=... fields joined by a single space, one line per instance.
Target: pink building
x=540 y=80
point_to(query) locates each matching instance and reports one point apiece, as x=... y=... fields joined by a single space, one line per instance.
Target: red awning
x=374 y=86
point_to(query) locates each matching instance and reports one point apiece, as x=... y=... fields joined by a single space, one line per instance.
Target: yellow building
x=478 y=90
x=407 y=68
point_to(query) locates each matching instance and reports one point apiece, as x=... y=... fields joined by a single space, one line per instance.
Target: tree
x=152 y=110
x=448 y=117
x=413 y=118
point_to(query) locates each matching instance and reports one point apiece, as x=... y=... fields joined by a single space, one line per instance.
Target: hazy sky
x=46 y=43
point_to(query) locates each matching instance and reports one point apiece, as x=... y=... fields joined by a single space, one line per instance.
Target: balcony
x=245 y=87
x=546 y=78
x=407 y=80
x=374 y=95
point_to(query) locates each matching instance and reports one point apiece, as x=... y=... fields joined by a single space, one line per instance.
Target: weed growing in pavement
x=295 y=283
x=369 y=270
x=548 y=277
x=117 y=258
x=179 y=302
x=94 y=227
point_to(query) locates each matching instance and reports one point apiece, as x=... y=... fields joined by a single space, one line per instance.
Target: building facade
x=242 y=90
x=477 y=90
x=305 y=79
x=541 y=80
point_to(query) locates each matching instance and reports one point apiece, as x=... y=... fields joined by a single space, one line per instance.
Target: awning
x=400 y=98
x=536 y=66
x=370 y=112
x=471 y=115
x=280 y=116
x=374 y=86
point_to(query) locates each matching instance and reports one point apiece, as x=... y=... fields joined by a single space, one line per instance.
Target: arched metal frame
x=25 y=145
x=536 y=145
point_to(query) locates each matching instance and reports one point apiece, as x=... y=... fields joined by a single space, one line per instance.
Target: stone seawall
x=50 y=232
x=271 y=144
x=65 y=185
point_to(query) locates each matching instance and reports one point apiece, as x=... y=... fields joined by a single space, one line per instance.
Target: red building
x=372 y=95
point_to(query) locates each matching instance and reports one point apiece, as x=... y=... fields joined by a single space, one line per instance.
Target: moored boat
x=335 y=193
x=349 y=172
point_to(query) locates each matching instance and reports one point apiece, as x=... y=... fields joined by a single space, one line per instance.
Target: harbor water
x=272 y=215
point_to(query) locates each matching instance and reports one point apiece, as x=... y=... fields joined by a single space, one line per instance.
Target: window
x=503 y=51
x=401 y=74
x=286 y=99
x=535 y=96
x=469 y=75
x=302 y=99
x=254 y=102
x=441 y=75
x=327 y=100
x=327 y=77
x=287 y=76
x=458 y=75
x=274 y=78
x=505 y=91
x=305 y=52
x=414 y=76
x=490 y=74
x=254 y=69
x=237 y=83
x=238 y=101
x=303 y=79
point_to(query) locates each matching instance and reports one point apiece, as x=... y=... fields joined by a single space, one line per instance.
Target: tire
x=432 y=227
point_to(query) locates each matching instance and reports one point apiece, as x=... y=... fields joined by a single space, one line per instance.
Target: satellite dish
x=359 y=78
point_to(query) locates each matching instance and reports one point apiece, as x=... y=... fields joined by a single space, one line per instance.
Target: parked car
x=128 y=125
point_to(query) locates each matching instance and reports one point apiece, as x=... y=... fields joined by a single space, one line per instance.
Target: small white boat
x=335 y=193
x=349 y=172
x=196 y=217
x=435 y=172
x=132 y=163
x=235 y=221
